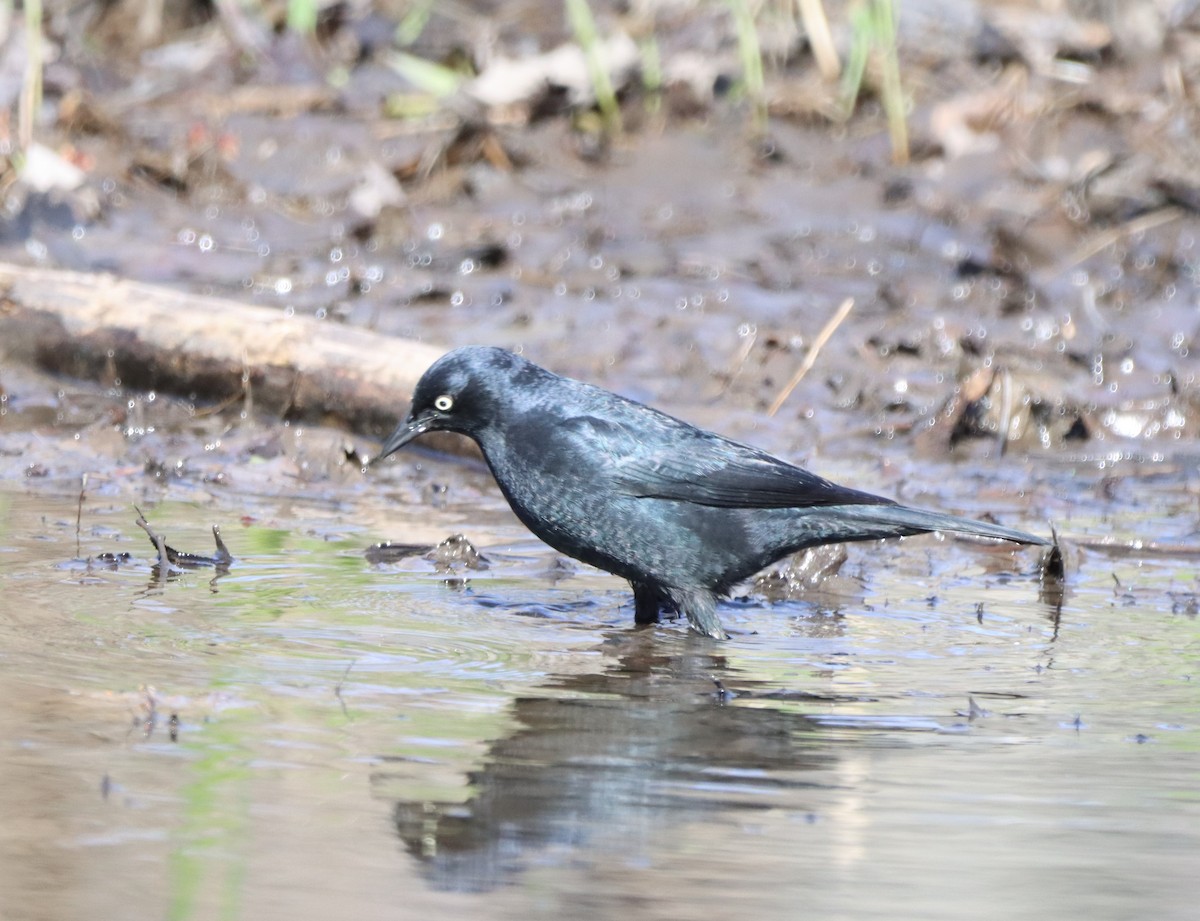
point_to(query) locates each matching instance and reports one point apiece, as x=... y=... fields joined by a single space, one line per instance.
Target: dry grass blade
x=814 y=350
x=816 y=24
x=30 y=98
x=1105 y=239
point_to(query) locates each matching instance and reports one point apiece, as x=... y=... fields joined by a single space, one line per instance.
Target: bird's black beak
x=405 y=432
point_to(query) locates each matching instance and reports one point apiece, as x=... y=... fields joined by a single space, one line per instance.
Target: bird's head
x=464 y=391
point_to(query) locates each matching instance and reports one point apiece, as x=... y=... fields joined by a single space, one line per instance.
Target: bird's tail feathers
x=879 y=521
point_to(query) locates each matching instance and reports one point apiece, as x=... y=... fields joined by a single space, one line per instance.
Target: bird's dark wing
x=685 y=464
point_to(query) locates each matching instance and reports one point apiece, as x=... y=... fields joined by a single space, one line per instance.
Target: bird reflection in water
x=608 y=760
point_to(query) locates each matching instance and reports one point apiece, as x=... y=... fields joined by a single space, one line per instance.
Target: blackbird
x=682 y=513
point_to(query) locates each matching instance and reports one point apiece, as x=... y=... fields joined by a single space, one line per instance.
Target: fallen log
x=209 y=350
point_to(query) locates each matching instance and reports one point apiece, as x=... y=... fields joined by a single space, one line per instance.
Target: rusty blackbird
x=682 y=513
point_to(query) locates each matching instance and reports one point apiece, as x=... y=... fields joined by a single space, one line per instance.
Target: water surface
x=309 y=735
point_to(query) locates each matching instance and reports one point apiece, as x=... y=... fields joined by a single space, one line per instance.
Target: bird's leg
x=647 y=602
x=701 y=610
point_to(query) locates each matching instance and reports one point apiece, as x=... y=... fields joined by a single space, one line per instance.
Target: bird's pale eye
x=444 y=403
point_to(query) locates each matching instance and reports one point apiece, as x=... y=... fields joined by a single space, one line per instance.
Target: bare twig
x=1137 y=549
x=248 y=391
x=1006 y=410
x=810 y=359
x=1107 y=238
x=79 y=513
x=749 y=337
x=222 y=557
x=164 y=563
x=168 y=556
x=337 y=691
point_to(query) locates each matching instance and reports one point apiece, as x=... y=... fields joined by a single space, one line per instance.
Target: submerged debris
x=801 y=573
x=723 y=695
x=169 y=556
x=451 y=553
x=1010 y=404
x=389 y=552
x=1053 y=575
x=455 y=550
x=112 y=561
x=1185 y=603
x=1053 y=566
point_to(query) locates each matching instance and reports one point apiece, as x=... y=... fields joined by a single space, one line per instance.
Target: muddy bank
x=1027 y=281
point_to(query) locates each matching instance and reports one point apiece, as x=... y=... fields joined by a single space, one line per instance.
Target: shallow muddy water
x=309 y=735
x=932 y=733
